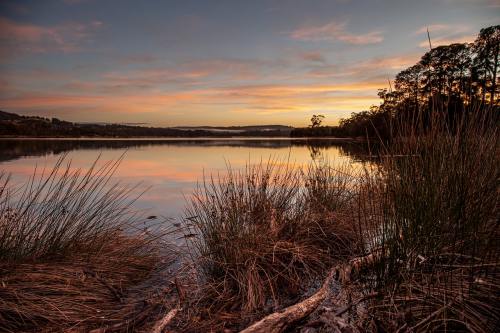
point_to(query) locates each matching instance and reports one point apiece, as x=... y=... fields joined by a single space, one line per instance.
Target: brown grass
x=72 y=258
x=261 y=240
x=433 y=212
x=82 y=292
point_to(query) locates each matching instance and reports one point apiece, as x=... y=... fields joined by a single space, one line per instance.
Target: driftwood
x=277 y=322
x=162 y=323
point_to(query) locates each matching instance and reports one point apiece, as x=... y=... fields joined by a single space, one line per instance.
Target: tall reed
x=70 y=255
x=60 y=210
x=432 y=212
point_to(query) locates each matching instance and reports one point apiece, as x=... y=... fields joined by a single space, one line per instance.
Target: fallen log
x=277 y=322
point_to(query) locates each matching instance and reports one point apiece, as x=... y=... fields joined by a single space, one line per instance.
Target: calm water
x=170 y=168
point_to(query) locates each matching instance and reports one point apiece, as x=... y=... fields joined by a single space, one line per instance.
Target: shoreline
x=233 y=138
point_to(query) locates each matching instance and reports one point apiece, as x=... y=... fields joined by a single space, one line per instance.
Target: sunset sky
x=170 y=63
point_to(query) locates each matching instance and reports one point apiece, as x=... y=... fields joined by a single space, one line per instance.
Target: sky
x=217 y=62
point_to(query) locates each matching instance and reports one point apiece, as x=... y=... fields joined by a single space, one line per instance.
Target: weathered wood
x=162 y=323
x=278 y=321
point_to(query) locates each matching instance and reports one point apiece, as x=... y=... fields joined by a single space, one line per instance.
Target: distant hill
x=9 y=116
x=238 y=129
x=14 y=125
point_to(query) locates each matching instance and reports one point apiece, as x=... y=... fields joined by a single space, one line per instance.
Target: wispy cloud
x=248 y=100
x=315 y=57
x=335 y=31
x=25 y=37
x=371 y=67
x=445 y=34
x=439 y=41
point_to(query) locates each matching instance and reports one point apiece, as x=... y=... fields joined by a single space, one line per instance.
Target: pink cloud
x=335 y=31
x=24 y=37
x=445 y=34
x=313 y=57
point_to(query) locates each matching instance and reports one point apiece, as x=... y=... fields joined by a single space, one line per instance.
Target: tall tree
x=487 y=47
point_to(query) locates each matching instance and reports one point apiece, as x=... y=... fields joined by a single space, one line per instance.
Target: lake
x=170 y=168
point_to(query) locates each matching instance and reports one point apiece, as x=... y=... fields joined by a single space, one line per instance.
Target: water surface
x=170 y=168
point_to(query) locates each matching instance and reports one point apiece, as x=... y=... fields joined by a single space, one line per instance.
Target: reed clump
x=260 y=239
x=432 y=213
x=71 y=257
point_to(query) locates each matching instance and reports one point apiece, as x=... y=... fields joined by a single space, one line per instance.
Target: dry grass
x=82 y=292
x=433 y=211
x=71 y=258
x=260 y=239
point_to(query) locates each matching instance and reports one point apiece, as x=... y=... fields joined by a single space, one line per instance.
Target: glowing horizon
x=230 y=63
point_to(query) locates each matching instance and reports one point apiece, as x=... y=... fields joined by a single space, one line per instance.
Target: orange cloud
x=214 y=105
x=448 y=40
x=313 y=57
x=335 y=31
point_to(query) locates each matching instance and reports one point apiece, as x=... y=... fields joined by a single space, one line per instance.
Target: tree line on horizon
x=453 y=79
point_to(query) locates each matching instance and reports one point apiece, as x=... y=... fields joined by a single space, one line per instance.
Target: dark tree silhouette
x=447 y=79
x=316 y=120
x=486 y=47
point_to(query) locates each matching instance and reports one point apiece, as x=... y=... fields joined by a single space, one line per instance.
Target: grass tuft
x=260 y=238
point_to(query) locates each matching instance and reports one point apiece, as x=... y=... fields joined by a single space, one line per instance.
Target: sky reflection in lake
x=170 y=169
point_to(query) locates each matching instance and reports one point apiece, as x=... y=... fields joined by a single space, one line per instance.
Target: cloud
x=448 y=40
x=136 y=59
x=265 y=99
x=69 y=37
x=445 y=34
x=314 y=57
x=372 y=67
x=335 y=31
x=434 y=28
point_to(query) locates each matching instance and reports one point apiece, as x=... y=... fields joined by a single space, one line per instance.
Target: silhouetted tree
x=316 y=120
x=486 y=47
x=446 y=79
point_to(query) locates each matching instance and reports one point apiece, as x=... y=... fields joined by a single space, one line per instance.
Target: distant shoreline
x=212 y=138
